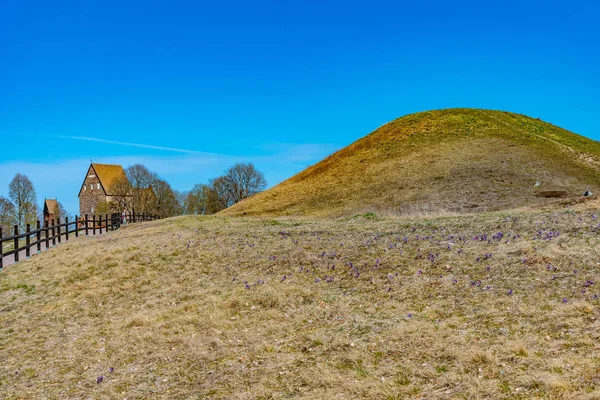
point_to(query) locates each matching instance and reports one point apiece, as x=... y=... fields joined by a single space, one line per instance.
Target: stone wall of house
x=91 y=194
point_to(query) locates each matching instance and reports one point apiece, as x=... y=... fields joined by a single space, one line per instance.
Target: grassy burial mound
x=488 y=305
x=455 y=160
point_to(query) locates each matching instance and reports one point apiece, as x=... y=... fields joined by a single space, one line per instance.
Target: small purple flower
x=111 y=370
x=100 y=379
x=409 y=315
x=564 y=300
x=510 y=292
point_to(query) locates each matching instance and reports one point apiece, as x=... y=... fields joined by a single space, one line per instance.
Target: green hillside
x=454 y=160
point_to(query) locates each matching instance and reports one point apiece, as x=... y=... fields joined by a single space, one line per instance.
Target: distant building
x=102 y=185
x=50 y=211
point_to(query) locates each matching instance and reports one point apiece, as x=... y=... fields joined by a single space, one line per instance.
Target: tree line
x=146 y=192
x=237 y=183
x=143 y=190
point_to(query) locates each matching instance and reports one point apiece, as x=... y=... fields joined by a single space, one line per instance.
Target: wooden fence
x=56 y=231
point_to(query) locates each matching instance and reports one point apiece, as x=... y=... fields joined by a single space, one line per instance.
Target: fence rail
x=56 y=231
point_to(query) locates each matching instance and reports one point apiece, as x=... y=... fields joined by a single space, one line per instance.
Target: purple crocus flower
x=100 y=379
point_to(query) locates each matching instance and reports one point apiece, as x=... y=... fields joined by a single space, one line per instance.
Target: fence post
x=76 y=226
x=47 y=230
x=67 y=232
x=38 y=235
x=16 y=243
x=58 y=228
x=94 y=224
x=1 y=256
x=86 y=225
x=134 y=215
x=100 y=223
x=28 y=241
x=53 y=233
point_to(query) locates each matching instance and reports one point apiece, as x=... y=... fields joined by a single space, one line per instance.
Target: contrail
x=142 y=145
x=118 y=143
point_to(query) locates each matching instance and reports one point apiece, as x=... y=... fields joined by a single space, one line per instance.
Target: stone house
x=50 y=211
x=101 y=185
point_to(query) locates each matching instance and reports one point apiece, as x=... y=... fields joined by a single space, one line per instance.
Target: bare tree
x=181 y=199
x=23 y=196
x=244 y=180
x=7 y=215
x=196 y=200
x=219 y=195
x=140 y=179
x=61 y=212
x=122 y=193
x=165 y=203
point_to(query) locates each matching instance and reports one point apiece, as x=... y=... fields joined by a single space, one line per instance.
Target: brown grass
x=460 y=160
x=406 y=315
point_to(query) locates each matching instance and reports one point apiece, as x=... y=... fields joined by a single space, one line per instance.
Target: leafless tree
x=122 y=193
x=165 y=203
x=244 y=180
x=23 y=196
x=141 y=178
x=181 y=199
x=61 y=212
x=219 y=195
x=7 y=215
x=196 y=200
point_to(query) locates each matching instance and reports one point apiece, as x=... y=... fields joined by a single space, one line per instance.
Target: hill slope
x=457 y=160
x=489 y=305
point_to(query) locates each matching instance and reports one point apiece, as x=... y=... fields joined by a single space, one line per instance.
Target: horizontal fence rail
x=56 y=231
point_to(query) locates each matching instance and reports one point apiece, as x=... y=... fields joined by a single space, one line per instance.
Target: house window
x=98 y=186
x=92 y=210
x=91 y=186
x=85 y=188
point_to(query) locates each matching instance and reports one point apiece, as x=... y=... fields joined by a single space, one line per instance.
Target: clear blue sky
x=188 y=88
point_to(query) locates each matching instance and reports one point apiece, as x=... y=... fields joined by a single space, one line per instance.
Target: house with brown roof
x=104 y=184
x=50 y=211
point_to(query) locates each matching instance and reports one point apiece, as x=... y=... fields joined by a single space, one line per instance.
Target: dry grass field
x=460 y=160
x=494 y=305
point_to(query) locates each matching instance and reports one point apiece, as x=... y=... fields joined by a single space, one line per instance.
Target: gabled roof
x=50 y=205
x=107 y=174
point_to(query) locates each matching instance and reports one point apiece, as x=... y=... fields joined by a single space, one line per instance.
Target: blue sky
x=189 y=88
